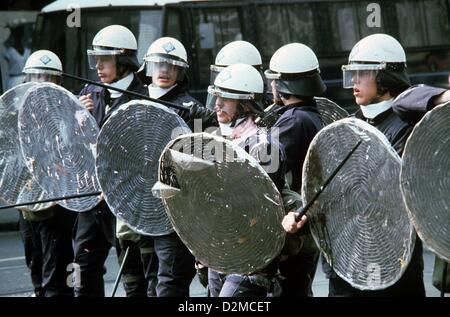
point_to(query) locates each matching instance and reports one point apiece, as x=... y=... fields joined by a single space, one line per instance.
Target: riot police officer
x=47 y=233
x=294 y=75
x=113 y=56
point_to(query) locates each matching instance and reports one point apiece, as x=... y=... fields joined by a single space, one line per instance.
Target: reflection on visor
x=360 y=77
x=215 y=70
x=360 y=73
x=162 y=59
x=164 y=69
x=272 y=75
x=40 y=78
x=100 y=60
x=214 y=92
x=210 y=101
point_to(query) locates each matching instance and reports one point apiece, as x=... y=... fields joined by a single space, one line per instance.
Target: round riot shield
x=16 y=182
x=221 y=202
x=329 y=110
x=359 y=221
x=58 y=140
x=129 y=146
x=425 y=180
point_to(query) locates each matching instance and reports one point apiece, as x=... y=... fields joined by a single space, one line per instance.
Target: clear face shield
x=360 y=73
x=40 y=76
x=214 y=92
x=215 y=70
x=164 y=67
x=271 y=79
x=97 y=57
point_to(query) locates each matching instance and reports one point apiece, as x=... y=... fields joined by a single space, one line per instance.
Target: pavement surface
x=15 y=280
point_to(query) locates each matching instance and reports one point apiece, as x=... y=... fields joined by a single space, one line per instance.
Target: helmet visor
x=164 y=69
x=98 y=58
x=272 y=75
x=214 y=92
x=272 y=91
x=41 y=77
x=42 y=71
x=215 y=70
x=360 y=73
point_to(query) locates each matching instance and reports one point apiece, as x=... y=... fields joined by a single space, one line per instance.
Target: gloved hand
x=208 y=117
x=202 y=272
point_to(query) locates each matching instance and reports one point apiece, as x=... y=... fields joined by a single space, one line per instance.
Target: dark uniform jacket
x=413 y=103
x=297 y=126
x=101 y=98
x=180 y=95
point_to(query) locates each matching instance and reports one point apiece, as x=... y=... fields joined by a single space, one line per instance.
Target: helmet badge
x=168 y=47
x=45 y=59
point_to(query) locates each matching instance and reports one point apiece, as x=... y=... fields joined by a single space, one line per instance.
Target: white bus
x=330 y=28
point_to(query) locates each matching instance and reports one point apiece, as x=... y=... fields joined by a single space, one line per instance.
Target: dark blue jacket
x=101 y=97
x=295 y=128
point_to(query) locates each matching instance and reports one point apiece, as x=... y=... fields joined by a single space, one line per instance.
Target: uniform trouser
x=150 y=264
x=298 y=273
x=48 y=252
x=175 y=266
x=33 y=254
x=241 y=285
x=409 y=285
x=133 y=278
x=94 y=235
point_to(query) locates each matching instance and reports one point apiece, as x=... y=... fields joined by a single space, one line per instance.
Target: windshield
x=71 y=43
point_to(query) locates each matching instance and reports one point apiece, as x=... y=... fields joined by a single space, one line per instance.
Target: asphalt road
x=15 y=279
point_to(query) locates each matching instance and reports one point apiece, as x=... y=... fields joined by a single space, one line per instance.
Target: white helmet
x=238 y=81
x=114 y=40
x=295 y=69
x=163 y=52
x=378 y=48
x=293 y=58
x=115 y=36
x=43 y=65
x=237 y=52
x=372 y=54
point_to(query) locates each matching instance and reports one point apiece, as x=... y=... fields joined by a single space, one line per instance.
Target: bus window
x=349 y=24
x=173 y=24
x=70 y=44
x=424 y=32
x=226 y=26
x=280 y=24
x=423 y=23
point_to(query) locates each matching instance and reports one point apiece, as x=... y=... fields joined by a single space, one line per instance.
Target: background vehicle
x=330 y=28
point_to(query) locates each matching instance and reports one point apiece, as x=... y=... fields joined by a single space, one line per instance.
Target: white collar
x=122 y=84
x=374 y=109
x=226 y=129
x=156 y=92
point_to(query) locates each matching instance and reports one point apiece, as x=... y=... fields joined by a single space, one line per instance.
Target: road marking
x=12 y=259
x=12 y=267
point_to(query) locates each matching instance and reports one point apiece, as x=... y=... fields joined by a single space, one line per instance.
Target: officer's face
x=164 y=75
x=364 y=87
x=106 y=69
x=226 y=109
